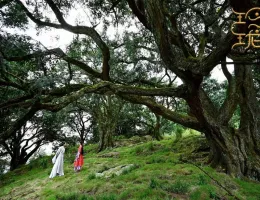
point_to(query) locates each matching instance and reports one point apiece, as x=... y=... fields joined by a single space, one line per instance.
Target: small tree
x=27 y=140
x=79 y=122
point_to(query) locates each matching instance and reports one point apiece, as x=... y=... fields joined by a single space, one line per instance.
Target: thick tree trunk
x=237 y=152
x=17 y=159
x=107 y=120
x=20 y=155
x=156 y=129
x=248 y=133
x=106 y=140
x=106 y=132
x=82 y=136
x=15 y=163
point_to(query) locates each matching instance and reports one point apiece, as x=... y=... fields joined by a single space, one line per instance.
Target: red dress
x=79 y=159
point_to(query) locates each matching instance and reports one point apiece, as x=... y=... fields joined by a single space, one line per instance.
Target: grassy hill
x=158 y=172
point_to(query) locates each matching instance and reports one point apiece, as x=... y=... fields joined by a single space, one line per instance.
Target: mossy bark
x=107 y=117
x=106 y=140
x=156 y=130
x=237 y=152
x=19 y=157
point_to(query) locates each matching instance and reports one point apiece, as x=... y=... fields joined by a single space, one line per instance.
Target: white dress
x=58 y=163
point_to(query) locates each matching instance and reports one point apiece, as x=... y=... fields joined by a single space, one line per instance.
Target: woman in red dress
x=79 y=159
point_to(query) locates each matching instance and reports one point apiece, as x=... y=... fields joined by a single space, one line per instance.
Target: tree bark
x=18 y=158
x=107 y=117
x=156 y=129
x=248 y=132
x=106 y=140
x=237 y=152
x=19 y=154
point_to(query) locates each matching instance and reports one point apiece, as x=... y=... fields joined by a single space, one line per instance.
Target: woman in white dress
x=57 y=160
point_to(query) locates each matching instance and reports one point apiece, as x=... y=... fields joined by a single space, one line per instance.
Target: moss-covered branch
x=158 y=109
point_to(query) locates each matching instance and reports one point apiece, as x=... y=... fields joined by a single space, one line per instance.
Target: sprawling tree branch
x=138 y=10
x=20 y=122
x=59 y=53
x=216 y=55
x=89 y=31
x=170 y=91
x=158 y=109
x=37 y=145
x=161 y=33
x=7 y=148
x=12 y=84
x=73 y=92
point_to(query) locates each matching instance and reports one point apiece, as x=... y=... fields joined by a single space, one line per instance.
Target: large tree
x=187 y=39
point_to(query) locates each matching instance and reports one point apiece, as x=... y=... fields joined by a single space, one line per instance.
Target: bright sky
x=218 y=74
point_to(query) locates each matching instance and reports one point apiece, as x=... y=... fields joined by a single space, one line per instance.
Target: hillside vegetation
x=165 y=169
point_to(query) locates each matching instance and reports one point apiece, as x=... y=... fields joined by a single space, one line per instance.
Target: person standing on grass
x=58 y=160
x=79 y=158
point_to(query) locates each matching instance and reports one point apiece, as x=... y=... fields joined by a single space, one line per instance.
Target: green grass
x=157 y=174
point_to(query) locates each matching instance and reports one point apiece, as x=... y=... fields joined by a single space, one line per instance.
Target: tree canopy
x=158 y=42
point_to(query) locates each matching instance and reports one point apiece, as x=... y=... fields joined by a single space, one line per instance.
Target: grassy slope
x=159 y=175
